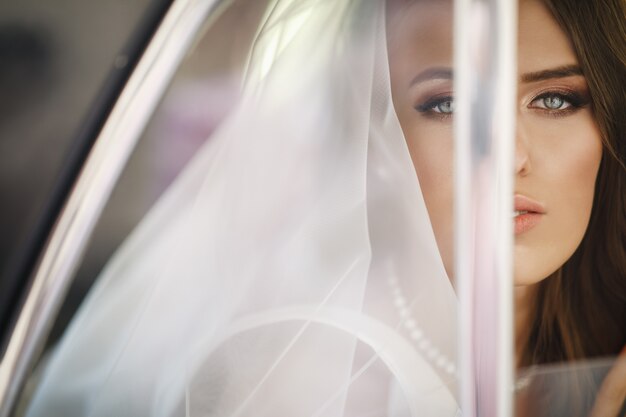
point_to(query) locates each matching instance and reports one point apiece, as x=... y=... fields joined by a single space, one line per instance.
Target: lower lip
x=525 y=222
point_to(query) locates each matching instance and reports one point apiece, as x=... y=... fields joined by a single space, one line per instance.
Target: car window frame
x=136 y=103
x=132 y=97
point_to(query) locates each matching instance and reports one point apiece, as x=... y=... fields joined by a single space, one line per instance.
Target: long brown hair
x=580 y=311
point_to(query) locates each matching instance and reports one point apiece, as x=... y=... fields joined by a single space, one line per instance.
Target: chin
x=534 y=264
x=527 y=275
x=537 y=260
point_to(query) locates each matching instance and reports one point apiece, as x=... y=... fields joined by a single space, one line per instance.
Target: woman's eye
x=552 y=102
x=445 y=107
x=442 y=106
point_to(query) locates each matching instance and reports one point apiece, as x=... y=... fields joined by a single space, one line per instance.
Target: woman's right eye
x=442 y=106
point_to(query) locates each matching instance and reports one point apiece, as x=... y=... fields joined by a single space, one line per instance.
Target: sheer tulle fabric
x=291 y=269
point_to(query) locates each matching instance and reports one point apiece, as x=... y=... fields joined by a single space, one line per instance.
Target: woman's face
x=558 y=145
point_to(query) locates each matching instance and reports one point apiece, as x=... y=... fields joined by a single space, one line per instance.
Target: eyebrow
x=559 y=72
x=435 y=73
x=445 y=73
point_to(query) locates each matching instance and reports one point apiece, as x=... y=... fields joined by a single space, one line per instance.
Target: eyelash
x=428 y=107
x=573 y=100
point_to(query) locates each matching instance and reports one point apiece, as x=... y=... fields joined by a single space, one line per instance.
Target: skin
x=420 y=38
x=558 y=143
x=558 y=149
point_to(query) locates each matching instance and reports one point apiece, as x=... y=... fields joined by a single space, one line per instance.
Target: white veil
x=291 y=269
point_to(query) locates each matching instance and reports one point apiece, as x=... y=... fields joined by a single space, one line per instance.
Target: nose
x=522 y=151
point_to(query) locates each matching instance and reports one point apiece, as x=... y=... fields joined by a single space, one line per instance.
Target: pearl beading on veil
x=426 y=346
x=416 y=334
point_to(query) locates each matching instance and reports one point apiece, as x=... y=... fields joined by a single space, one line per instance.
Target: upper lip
x=523 y=203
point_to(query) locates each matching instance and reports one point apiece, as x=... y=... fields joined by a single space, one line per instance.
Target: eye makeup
x=570 y=100
x=441 y=106
x=438 y=107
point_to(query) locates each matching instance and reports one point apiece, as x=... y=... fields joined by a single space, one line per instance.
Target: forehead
x=420 y=35
x=541 y=41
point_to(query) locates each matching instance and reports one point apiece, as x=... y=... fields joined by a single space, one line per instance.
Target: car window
x=282 y=240
x=62 y=65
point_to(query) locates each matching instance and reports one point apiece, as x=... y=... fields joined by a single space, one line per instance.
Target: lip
x=535 y=212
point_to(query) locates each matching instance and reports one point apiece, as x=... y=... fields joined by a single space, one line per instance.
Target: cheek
x=566 y=158
x=576 y=175
x=433 y=164
x=431 y=149
x=572 y=169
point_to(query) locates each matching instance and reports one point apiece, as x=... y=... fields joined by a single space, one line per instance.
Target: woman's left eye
x=554 y=102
